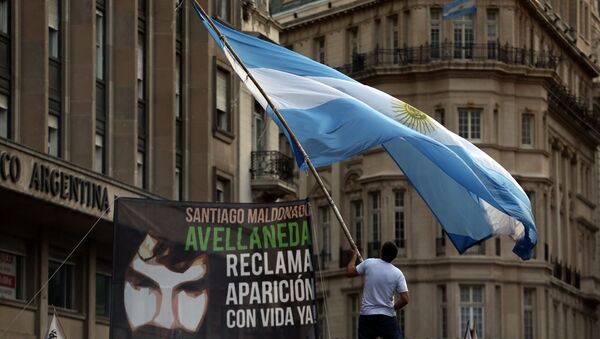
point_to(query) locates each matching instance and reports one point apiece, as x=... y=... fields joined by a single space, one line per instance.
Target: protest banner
x=205 y=270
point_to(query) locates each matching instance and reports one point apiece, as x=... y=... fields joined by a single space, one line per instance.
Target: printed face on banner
x=164 y=293
x=187 y=270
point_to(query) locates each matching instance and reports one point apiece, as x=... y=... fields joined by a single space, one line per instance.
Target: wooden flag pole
x=312 y=168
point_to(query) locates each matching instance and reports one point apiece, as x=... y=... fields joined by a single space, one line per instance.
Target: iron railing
x=561 y=100
x=566 y=273
x=272 y=165
x=449 y=51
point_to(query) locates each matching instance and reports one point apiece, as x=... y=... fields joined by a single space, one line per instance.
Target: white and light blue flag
x=458 y=8
x=335 y=118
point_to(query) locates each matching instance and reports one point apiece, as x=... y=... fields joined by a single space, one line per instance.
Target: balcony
x=562 y=102
x=272 y=175
x=440 y=246
x=492 y=52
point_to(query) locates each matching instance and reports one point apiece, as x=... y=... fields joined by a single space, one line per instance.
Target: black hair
x=389 y=251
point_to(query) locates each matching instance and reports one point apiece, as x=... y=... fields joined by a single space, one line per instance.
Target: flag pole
x=312 y=168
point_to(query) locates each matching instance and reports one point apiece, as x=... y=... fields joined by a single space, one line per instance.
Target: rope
x=320 y=274
x=5 y=331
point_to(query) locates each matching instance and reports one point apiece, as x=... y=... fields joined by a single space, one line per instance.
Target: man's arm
x=351 y=268
x=402 y=301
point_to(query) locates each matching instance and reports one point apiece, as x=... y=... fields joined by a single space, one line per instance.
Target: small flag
x=54 y=330
x=458 y=8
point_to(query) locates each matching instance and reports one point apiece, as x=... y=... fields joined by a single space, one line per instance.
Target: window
x=440 y=116
x=399 y=230
x=61 y=288
x=324 y=236
x=394 y=38
x=258 y=128
x=222 y=193
x=140 y=170
x=103 y=282
x=3 y=116
x=492 y=33
x=354 y=314
x=53 y=135
x=529 y=313
x=179 y=120
x=443 y=311
x=353 y=47
x=99 y=154
x=54 y=78
x=401 y=316
x=527 y=129
x=222 y=9
x=5 y=69
x=435 y=32
x=463 y=37
x=53 y=28
x=357 y=222
x=322 y=320
x=469 y=124
x=223 y=100
x=320 y=50
x=472 y=305
x=375 y=216
x=100 y=37
x=4 y=15
x=12 y=276
x=142 y=117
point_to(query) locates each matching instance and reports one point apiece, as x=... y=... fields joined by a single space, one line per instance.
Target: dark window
x=103 y=294
x=223 y=104
x=54 y=78
x=222 y=9
x=142 y=118
x=61 y=287
x=179 y=107
x=5 y=69
x=101 y=125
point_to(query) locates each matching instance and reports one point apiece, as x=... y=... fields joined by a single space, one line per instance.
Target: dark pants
x=373 y=326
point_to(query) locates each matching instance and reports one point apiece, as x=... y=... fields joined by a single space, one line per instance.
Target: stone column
x=82 y=25
x=124 y=90
x=197 y=89
x=91 y=292
x=34 y=74
x=163 y=78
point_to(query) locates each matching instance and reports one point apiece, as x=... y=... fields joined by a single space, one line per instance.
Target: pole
x=312 y=168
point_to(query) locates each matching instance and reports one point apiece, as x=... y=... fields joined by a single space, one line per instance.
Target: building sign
x=8 y=276
x=194 y=270
x=53 y=180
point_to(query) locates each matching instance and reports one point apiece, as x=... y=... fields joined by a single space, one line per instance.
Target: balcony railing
x=566 y=273
x=561 y=100
x=272 y=165
x=449 y=51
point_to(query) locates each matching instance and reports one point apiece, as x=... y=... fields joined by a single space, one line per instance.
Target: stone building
x=112 y=98
x=517 y=80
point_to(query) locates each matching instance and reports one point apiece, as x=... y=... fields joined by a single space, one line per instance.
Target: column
x=34 y=74
x=91 y=292
x=124 y=90
x=162 y=75
x=82 y=78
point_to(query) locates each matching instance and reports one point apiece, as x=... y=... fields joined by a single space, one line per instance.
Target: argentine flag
x=335 y=117
x=458 y=8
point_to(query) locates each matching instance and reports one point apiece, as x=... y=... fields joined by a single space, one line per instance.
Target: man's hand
x=402 y=301
x=351 y=268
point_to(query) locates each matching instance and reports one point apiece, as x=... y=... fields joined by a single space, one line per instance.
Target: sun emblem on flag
x=412 y=117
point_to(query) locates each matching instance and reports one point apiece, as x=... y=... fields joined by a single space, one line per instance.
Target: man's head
x=389 y=251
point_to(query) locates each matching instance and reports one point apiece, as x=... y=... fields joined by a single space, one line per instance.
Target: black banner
x=202 y=270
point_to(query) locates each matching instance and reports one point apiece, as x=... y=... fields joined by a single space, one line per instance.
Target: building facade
x=101 y=99
x=517 y=80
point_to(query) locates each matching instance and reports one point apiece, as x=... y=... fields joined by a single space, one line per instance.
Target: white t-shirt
x=382 y=281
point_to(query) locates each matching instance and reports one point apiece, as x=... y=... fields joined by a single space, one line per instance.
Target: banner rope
x=5 y=330
x=320 y=274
